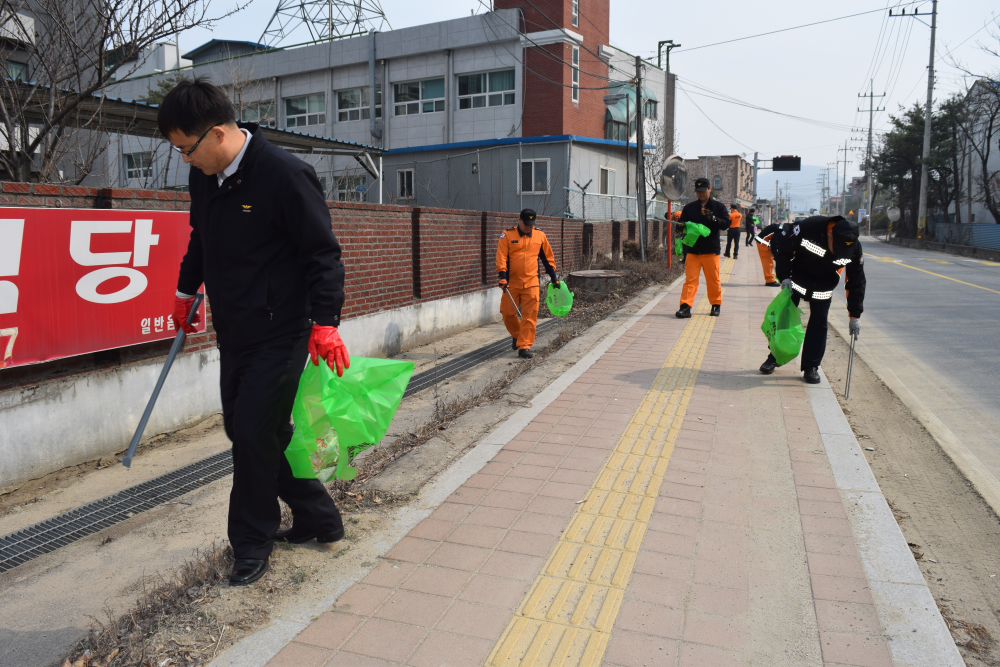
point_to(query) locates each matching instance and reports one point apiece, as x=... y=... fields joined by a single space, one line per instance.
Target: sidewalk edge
x=917 y=634
x=256 y=649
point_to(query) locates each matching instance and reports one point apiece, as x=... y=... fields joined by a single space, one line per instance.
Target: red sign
x=74 y=281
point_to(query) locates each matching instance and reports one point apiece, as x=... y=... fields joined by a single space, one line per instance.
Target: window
x=261 y=112
x=305 y=110
x=356 y=105
x=17 y=70
x=649 y=109
x=419 y=97
x=534 y=177
x=576 y=13
x=479 y=90
x=717 y=184
x=138 y=165
x=353 y=188
x=405 y=178
x=576 y=73
x=607 y=181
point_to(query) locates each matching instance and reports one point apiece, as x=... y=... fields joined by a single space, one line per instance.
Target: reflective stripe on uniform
x=798 y=288
x=813 y=248
x=842 y=262
x=822 y=295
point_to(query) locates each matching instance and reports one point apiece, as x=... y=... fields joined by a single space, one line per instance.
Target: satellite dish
x=673 y=178
x=894 y=213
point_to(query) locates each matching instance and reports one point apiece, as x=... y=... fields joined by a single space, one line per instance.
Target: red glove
x=325 y=343
x=182 y=308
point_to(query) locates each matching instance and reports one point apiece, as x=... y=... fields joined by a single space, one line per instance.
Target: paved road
x=935 y=319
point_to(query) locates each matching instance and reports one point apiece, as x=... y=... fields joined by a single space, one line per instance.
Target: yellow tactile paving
x=567 y=615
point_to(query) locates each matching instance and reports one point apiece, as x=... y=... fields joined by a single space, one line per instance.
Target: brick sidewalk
x=671 y=507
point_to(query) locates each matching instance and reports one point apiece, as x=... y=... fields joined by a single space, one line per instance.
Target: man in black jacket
x=262 y=245
x=704 y=254
x=810 y=255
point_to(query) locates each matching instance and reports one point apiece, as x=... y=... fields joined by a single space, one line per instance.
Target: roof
x=111 y=114
x=255 y=46
x=511 y=141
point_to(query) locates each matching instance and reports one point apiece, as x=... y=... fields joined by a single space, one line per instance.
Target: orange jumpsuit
x=766 y=260
x=517 y=262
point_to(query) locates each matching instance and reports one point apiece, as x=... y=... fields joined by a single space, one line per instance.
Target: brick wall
x=549 y=108
x=395 y=256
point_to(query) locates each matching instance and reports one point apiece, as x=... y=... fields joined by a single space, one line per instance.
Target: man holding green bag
x=703 y=256
x=810 y=257
x=262 y=245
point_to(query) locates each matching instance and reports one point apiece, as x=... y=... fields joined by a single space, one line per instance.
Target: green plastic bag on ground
x=338 y=418
x=783 y=327
x=559 y=299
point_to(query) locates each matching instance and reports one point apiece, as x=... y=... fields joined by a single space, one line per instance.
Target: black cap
x=701 y=184
x=845 y=235
x=528 y=216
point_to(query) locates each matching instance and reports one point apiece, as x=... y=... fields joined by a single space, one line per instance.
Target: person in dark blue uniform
x=810 y=257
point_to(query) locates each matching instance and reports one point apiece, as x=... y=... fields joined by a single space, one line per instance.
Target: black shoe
x=247 y=570
x=525 y=353
x=513 y=343
x=736 y=256
x=716 y=311
x=684 y=311
x=725 y=254
x=769 y=365
x=773 y=283
x=811 y=375
x=293 y=536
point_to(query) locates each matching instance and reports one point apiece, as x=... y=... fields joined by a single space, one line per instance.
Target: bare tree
x=657 y=156
x=59 y=57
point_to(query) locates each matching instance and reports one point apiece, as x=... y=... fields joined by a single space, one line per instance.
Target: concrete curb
x=258 y=648
x=916 y=632
x=982 y=480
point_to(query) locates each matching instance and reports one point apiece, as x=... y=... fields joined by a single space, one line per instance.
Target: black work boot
x=513 y=343
x=773 y=283
x=684 y=311
x=525 y=353
x=769 y=365
x=716 y=311
x=811 y=375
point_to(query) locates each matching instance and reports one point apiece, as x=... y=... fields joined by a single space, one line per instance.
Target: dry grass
x=972 y=639
x=174 y=622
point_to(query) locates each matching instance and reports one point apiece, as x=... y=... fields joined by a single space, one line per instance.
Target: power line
x=712 y=121
x=796 y=27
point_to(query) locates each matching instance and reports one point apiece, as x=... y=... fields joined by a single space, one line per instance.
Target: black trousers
x=749 y=237
x=733 y=239
x=814 y=345
x=258 y=389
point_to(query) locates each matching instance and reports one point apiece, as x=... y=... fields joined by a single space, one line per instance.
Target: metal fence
x=598 y=208
x=979 y=235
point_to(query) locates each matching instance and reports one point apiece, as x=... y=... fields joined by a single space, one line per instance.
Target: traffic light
x=787 y=163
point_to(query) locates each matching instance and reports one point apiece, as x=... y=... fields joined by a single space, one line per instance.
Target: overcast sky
x=813 y=72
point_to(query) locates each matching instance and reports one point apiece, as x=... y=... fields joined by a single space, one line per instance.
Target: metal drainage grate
x=51 y=534
x=453 y=367
x=63 y=529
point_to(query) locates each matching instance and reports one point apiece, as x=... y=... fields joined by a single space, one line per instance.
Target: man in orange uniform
x=766 y=258
x=704 y=254
x=733 y=235
x=518 y=253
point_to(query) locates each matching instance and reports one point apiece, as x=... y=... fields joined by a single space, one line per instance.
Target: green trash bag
x=783 y=327
x=559 y=299
x=693 y=230
x=338 y=418
x=677 y=248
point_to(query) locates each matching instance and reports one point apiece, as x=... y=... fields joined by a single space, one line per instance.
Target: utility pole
x=868 y=162
x=842 y=205
x=755 y=178
x=922 y=207
x=640 y=159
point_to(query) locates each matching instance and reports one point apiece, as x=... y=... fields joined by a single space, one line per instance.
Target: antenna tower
x=322 y=20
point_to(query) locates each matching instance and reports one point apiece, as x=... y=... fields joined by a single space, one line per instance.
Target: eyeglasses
x=193 y=148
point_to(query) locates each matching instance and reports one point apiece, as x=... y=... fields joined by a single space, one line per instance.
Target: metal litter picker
x=850 y=367
x=511 y=297
x=174 y=349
